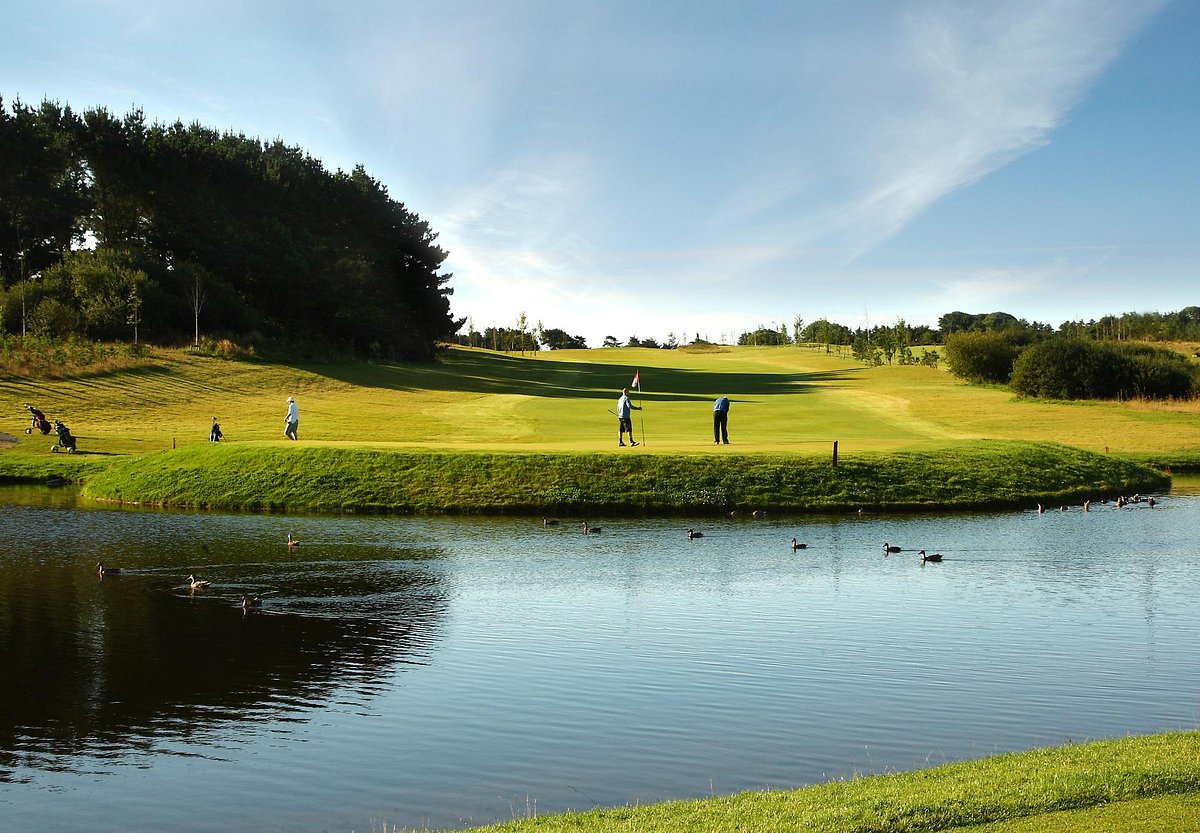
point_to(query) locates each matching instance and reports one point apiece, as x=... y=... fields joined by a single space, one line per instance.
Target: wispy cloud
x=963 y=91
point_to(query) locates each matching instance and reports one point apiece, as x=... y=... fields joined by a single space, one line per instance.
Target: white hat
x=290 y=399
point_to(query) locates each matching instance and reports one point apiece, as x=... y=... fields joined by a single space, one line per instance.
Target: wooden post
x=835 y=442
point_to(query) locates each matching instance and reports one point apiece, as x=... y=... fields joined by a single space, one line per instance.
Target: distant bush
x=985 y=357
x=1072 y=368
x=1159 y=373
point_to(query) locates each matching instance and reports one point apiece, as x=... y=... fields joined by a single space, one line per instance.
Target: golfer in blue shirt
x=721 y=421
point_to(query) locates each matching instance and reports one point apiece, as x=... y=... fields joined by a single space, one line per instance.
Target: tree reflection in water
x=109 y=667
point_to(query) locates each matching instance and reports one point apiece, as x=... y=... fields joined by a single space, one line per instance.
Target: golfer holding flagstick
x=624 y=421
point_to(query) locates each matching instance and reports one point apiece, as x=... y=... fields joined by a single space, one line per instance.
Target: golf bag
x=40 y=423
x=65 y=441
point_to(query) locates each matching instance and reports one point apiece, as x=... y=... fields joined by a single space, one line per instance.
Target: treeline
x=115 y=229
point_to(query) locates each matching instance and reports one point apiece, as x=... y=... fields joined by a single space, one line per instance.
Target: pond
x=445 y=672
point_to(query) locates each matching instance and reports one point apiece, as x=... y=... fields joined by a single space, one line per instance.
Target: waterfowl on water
x=693 y=534
x=889 y=548
x=548 y=522
x=198 y=584
x=759 y=513
x=1041 y=509
x=292 y=543
x=107 y=571
x=251 y=602
x=1150 y=502
x=937 y=556
x=590 y=530
x=796 y=545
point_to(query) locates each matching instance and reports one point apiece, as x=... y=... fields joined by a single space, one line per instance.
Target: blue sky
x=705 y=167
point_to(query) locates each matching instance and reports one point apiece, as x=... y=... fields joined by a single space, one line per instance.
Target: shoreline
x=326 y=480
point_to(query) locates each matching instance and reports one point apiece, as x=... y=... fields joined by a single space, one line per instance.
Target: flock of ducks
x=796 y=544
x=195 y=585
x=1119 y=502
x=255 y=602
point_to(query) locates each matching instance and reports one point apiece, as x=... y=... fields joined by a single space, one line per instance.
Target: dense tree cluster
x=115 y=228
x=1074 y=368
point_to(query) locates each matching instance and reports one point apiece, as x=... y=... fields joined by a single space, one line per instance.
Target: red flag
x=637 y=381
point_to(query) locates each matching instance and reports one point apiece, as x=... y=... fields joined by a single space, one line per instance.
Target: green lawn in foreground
x=785 y=400
x=1147 y=783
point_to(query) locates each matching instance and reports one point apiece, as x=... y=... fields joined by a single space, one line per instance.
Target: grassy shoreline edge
x=1002 y=788
x=329 y=480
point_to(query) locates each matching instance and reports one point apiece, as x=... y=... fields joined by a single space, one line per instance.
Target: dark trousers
x=721 y=426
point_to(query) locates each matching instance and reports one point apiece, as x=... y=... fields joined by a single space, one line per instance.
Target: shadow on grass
x=471 y=372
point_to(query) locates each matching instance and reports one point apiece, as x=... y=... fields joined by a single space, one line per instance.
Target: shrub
x=1158 y=373
x=1070 y=368
x=982 y=357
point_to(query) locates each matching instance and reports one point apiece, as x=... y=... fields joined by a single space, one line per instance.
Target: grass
x=321 y=479
x=1152 y=780
x=788 y=403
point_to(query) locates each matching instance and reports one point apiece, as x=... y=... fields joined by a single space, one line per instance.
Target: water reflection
x=110 y=666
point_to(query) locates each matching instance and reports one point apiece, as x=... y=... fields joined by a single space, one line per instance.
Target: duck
x=693 y=534
x=890 y=548
x=251 y=602
x=1041 y=509
x=759 y=513
x=548 y=522
x=936 y=556
x=1150 y=502
x=590 y=530
x=107 y=571
x=198 y=584
x=292 y=543
x=796 y=545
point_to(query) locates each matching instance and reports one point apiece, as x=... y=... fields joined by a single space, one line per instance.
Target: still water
x=446 y=672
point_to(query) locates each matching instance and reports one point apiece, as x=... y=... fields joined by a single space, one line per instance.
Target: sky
x=659 y=167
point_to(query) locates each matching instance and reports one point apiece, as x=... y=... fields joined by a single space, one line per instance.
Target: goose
x=590 y=530
x=251 y=602
x=759 y=513
x=198 y=584
x=693 y=534
x=889 y=548
x=1150 y=502
x=798 y=546
x=937 y=556
x=1041 y=509
x=548 y=522
x=292 y=543
x=107 y=571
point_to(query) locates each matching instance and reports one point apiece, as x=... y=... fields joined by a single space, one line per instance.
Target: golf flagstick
x=637 y=383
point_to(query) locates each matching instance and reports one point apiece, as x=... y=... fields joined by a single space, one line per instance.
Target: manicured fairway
x=788 y=400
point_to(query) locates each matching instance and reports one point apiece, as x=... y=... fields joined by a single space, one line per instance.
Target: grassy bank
x=316 y=479
x=1027 y=791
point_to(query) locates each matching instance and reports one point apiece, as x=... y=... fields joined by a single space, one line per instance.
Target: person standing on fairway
x=721 y=421
x=624 y=420
x=292 y=420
